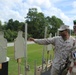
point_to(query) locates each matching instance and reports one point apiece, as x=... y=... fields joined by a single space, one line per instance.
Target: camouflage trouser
x=54 y=71
x=71 y=73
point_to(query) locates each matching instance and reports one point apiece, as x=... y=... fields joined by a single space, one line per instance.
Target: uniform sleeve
x=45 y=41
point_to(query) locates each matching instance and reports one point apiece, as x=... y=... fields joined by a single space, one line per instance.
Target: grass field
x=34 y=52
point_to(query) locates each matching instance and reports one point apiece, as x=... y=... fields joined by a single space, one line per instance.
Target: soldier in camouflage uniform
x=63 y=45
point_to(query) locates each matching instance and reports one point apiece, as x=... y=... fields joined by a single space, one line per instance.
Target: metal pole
x=45 y=32
x=25 y=48
x=44 y=48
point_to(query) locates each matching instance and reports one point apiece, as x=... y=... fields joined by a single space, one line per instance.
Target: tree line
x=36 y=23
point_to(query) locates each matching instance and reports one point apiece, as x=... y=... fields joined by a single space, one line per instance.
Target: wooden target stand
x=19 y=47
x=3 y=51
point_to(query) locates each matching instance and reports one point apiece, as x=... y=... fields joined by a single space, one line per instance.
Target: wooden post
x=35 y=67
x=19 y=69
x=0 y=66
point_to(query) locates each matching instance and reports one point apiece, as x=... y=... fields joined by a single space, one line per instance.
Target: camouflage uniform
x=62 y=50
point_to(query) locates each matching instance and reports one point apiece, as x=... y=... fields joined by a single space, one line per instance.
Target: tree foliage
x=11 y=29
x=36 y=22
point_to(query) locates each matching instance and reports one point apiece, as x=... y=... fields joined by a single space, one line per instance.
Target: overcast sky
x=17 y=9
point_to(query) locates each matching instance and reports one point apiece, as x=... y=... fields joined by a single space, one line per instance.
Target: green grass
x=34 y=53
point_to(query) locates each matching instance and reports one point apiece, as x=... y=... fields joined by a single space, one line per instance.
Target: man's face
x=63 y=33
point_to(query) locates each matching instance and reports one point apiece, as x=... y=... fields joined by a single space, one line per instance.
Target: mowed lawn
x=34 y=53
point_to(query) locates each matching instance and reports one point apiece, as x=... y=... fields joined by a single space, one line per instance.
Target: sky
x=18 y=9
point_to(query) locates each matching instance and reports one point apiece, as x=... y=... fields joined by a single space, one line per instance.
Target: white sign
x=19 y=45
x=3 y=48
